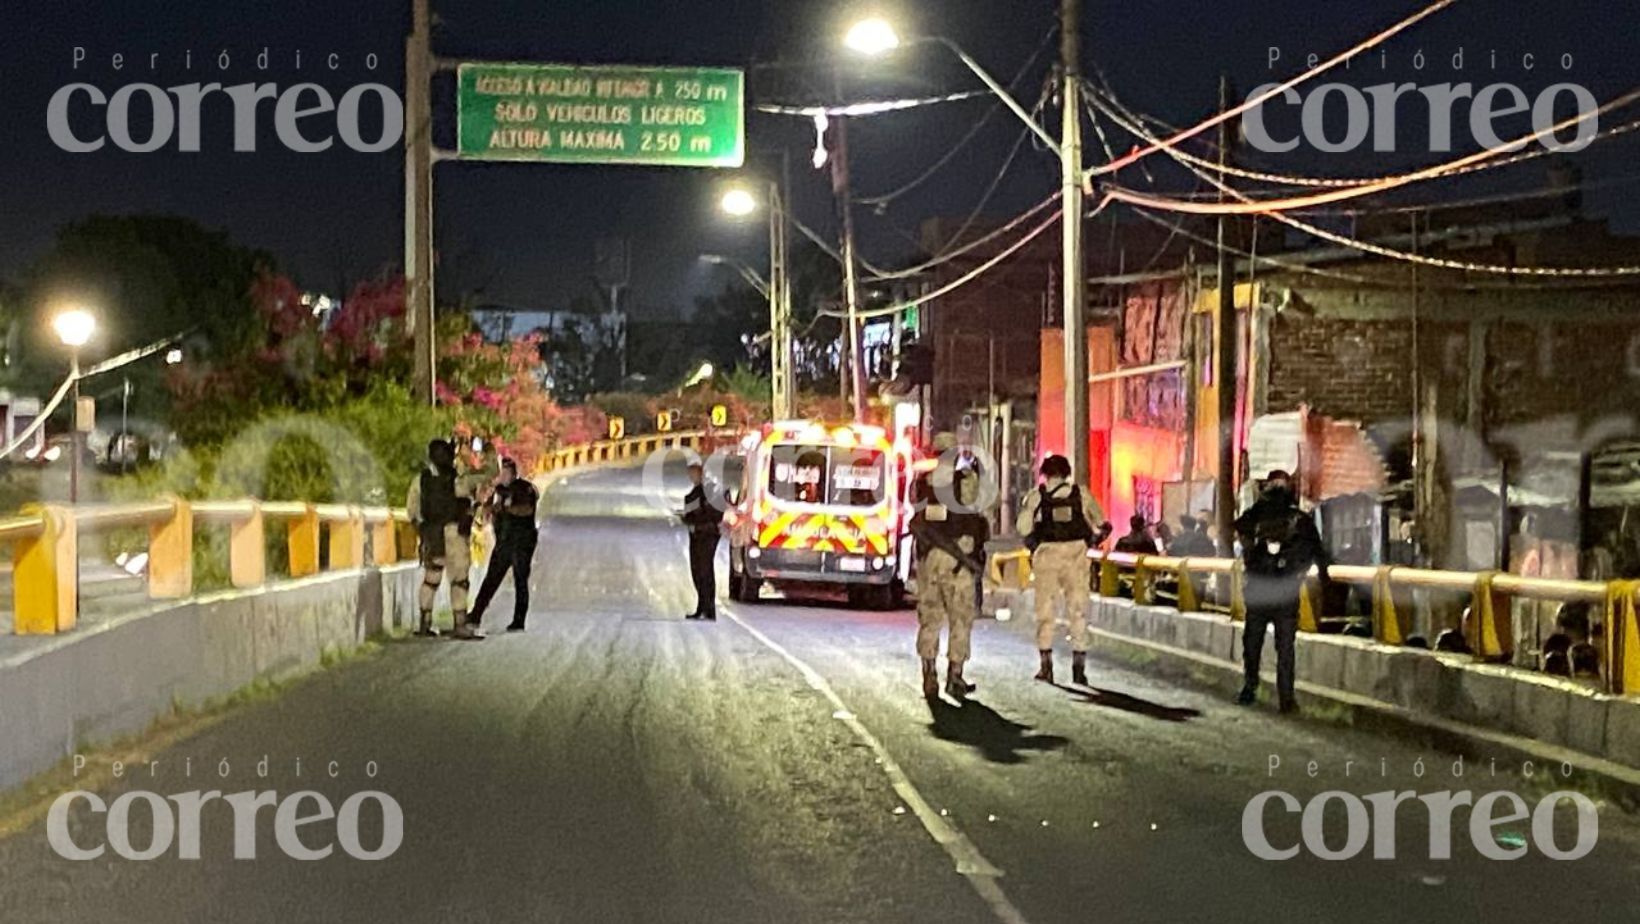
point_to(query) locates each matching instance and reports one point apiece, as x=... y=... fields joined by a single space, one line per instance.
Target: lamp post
x=739 y=202
x=74 y=328
x=876 y=37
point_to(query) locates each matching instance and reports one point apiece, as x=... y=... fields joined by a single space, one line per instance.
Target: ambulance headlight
x=880 y=562
x=754 y=552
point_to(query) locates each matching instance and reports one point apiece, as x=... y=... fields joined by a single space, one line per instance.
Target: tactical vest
x=1060 y=519
x=439 y=503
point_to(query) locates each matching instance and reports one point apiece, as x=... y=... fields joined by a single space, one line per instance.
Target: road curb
x=1614 y=781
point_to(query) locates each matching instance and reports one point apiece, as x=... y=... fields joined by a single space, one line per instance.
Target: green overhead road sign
x=570 y=114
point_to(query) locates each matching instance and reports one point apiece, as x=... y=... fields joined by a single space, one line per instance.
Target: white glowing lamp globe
x=739 y=203
x=74 y=327
x=872 y=36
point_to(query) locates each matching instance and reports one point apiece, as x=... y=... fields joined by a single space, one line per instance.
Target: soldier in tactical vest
x=1279 y=544
x=442 y=513
x=951 y=536
x=1058 y=522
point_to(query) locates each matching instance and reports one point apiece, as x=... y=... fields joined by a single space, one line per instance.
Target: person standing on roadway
x=1279 y=544
x=512 y=512
x=1058 y=523
x=702 y=514
x=443 y=518
x=950 y=543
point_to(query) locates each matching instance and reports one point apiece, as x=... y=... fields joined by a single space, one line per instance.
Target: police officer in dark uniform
x=703 y=515
x=1279 y=543
x=512 y=511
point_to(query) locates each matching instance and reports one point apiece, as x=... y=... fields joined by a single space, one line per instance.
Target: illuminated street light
x=704 y=373
x=173 y=356
x=739 y=203
x=74 y=327
x=873 y=36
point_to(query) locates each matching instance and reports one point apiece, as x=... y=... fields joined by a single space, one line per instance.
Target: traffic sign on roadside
x=598 y=114
x=617 y=428
x=663 y=421
x=720 y=415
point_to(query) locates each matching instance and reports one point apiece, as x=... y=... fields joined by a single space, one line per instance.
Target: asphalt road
x=616 y=763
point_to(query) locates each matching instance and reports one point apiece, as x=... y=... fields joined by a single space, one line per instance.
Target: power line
x=1273 y=92
x=1104 y=100
x=868 y=108
x=970 y=276
x=944 y=253
x=1247 y=205
x=973 y=132
x=976 y=243
x=1391 y=253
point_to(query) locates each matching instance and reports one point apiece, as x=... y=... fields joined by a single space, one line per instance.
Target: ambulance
x=822 y=506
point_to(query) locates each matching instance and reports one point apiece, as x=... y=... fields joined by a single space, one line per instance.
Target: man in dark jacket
x=1279 y=543
x=1138 y=540
x=512 y=512
x=703 y=514
x=1192 y=541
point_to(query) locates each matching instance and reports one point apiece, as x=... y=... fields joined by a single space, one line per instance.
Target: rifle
x=938 y=541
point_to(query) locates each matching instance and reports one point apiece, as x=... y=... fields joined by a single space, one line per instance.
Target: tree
x=147 y=277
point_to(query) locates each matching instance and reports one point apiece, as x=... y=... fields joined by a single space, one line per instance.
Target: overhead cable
x=968 y=277
x=1247 y=205
x=973 y=132
x=1259 y=99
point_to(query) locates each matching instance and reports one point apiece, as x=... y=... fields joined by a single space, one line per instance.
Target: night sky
x=523 y=235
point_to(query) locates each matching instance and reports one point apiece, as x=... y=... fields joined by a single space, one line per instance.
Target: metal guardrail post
x=303 y=542
x=1622 y=637
x=409 y=540
x=1386 y=622
x=1188 y=602
x=1489 y=636
x=384 y=542
x=44 y=568
x=171 y=553
x=347 y=541
x=1110 y=577
x=1143 y=583
x=1309 y=609
x=247 y=550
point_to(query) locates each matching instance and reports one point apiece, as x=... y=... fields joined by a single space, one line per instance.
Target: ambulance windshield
x=839 y=475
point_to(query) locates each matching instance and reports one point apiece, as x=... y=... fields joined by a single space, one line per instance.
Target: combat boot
x=1079 y=668
x=426 y=629
x=1045 y=673
x=955 y=686
x=930 y=680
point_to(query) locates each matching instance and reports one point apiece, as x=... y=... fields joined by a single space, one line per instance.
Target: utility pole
x=418 y=196
x=780 y=307
x=1226 y=343
x=851 y=280
x=1075 y=275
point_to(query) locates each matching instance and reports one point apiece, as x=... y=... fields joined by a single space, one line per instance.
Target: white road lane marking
x=971 y=864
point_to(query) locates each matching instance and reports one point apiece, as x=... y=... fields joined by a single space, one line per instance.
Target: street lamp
x=877 y=37
x=74 y=327
x=872 y=36
x=739 y=202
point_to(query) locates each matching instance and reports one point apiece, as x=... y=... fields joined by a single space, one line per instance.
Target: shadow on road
x=1111 y=699
x=1000 y=740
